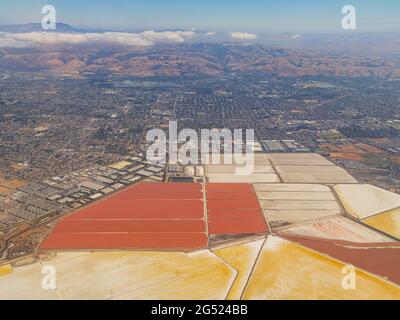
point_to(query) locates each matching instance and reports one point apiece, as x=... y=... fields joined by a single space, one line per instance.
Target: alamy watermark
x=49 y=280
x=349 y=19
x=49 y=21
x=349 y=278
x=186 y=147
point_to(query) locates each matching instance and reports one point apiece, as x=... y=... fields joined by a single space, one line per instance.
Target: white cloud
x=167 y=36
x=296 y=36
x=6 y=42
x=211 y=33
x=243 y=35
x=146 y=38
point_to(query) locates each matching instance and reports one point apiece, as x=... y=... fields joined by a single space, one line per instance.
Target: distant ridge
x=192 y=59
x=34 y=27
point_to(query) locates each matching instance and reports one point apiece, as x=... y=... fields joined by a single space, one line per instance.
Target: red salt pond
x=229 y=187
x=145 y=216
x=233 y=204
x=139 y=226
x=114 y=208
x=150 y=241
x=238 y=226
x=232 y=214
x=382 y=259
x=166 y=216
x=233 y=209
x=228 y=195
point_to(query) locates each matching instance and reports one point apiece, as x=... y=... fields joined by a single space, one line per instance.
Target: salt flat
x=335 y=228
x=258 y=159
x=298 y=205
x=298 y=159
x=282 y=195
x=285 y=270
x=364 y=200
x=291 y=187
x=241 y=257
x=282 y=217
x=232 y=169
x=313 y=174
x=388 y=222
x=124 y=275
x=234 y=178
x=260 y=169
x=284 y=204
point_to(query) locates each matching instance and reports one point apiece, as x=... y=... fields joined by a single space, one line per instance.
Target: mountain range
x=190 y=59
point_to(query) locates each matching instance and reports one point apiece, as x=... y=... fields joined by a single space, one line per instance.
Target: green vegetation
x=377 y=160
x=332 y=136
x=323 y=150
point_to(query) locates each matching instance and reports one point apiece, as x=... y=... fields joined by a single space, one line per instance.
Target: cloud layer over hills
x=146 y=38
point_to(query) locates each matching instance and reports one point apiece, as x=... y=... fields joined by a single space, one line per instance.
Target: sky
x=258 y=16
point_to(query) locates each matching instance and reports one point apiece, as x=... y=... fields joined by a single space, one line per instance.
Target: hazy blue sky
x=265 y=16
